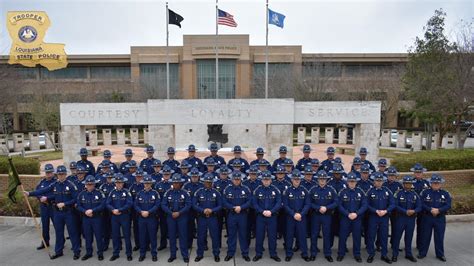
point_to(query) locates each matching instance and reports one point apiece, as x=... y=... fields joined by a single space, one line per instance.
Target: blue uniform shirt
x=135 y=188
x=380 y=199
x=302 y=163
x=207 y=198
x=252 y=184
x=337 y=184
x=44 y=183
x=176 y=200
x=282 y=185
x=420 y=185
x=173 y=164
x=267 y=198
x=61 y=192
x=88 y=165
x=326 y=165
x=296 y=200
x=236 y=196
x=352 y=200
x=394 y=186
x=147 y=165
x=93 y=200
x=218 y=159
x=120 y=200
x=106 y=188
x=407 y=200
x=245 y=164
x=323 y=196
x=440 y=199
x=162 y=187
x=365 y=185
x=196 y=162
x=308 y=184
x=147 y=201
x=222 y=184
x=192 y=187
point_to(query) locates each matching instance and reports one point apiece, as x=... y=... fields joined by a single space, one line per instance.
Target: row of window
x=76 y=72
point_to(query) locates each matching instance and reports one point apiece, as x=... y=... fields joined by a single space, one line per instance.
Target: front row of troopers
x=256 y=202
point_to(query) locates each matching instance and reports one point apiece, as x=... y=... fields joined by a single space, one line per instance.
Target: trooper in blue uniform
x=419 y=185
x=184 y=169
x=352 y=204
x=147 y=163
x=220 y=184
x=288 y=165
x=217 y=158
x=296 y=202
x=108 y=156
x=393 y=185
x=407 y=205
x=382 y=166
x=338 y=184
x=163 y=186
x=157 y=176
x=191 y=187
x=436 y=202
x=252 y=182
x=91 y=204
x=176 y=204
x=135 y=187
x=210 y=165
x=279 y=161
x=171 y=161
x=237 y=165
x=323 y=200
x=365 y=183
x=104 y=170
x=64 y=195
x=146 y=206
x=237 y=199
x=237 y=150
x=46 y=201
x=267 y=202
x=308 y=174
x=301 y=164
x=356 y=165
x=363 y=157
x=207 y=202
x=119 y=202
x=132 y=168
x=281 y=182
x=106 y=188
x=380 y=205
x=193 y=160
x=73 y=169
x=123 y=168
x=327 y=164
x=314 y=164
x=259 y=153
x=86 y=163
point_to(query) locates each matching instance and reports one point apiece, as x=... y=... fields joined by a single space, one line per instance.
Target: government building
x=141 y=75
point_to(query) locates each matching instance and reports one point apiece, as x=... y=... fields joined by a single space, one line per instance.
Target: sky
x=320 y=26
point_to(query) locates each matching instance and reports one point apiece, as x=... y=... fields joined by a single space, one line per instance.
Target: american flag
x=225 y=18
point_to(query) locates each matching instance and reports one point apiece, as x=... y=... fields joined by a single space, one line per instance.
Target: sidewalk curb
x=28 y=221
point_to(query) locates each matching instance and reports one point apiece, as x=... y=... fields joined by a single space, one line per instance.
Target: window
x=110 y=72
x=153 y=80
x=319 y=70
x=280 y=80
x=70 y=72
x=206 y=78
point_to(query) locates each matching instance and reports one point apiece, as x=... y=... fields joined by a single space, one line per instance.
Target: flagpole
x=217 y=51
x=266 y=52
x=167 y=55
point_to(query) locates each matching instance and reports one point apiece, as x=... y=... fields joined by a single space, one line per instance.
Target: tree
x=438 y=78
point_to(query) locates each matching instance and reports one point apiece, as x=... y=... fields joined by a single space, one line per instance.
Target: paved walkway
x=18 y=247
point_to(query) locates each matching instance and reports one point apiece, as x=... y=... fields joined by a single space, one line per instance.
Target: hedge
x=436 y=160
x=26 y=166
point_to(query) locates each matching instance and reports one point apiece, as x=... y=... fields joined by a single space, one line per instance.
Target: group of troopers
x=186 y=199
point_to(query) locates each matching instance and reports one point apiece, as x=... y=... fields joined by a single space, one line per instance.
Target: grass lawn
x=50 y=155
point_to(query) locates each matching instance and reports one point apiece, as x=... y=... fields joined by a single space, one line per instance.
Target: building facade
x=141 y=75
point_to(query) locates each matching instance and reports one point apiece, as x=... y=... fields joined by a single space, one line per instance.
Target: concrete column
x=449 y=141
x=161 y=137
x=107 y=136
x=301 y=135
x=385 y=140
x=18 y=141
x=368 y=137
x=50 y=139
x=145 y=136
x=247 y=136
x=315 y=135
x=134 y=136
x=278 y=135
x=189 y=134
x=434 y=140
x=417 y=140
x=93 y=137
x=342 y=135
x=120 y=136
x=34 y=141
x=3 y=144
x=73 y=138
x=401 y=139
x=329 y=135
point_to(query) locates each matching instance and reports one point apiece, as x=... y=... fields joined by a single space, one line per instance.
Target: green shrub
x=8 y=208
x=437 y=160
x=26 y=166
